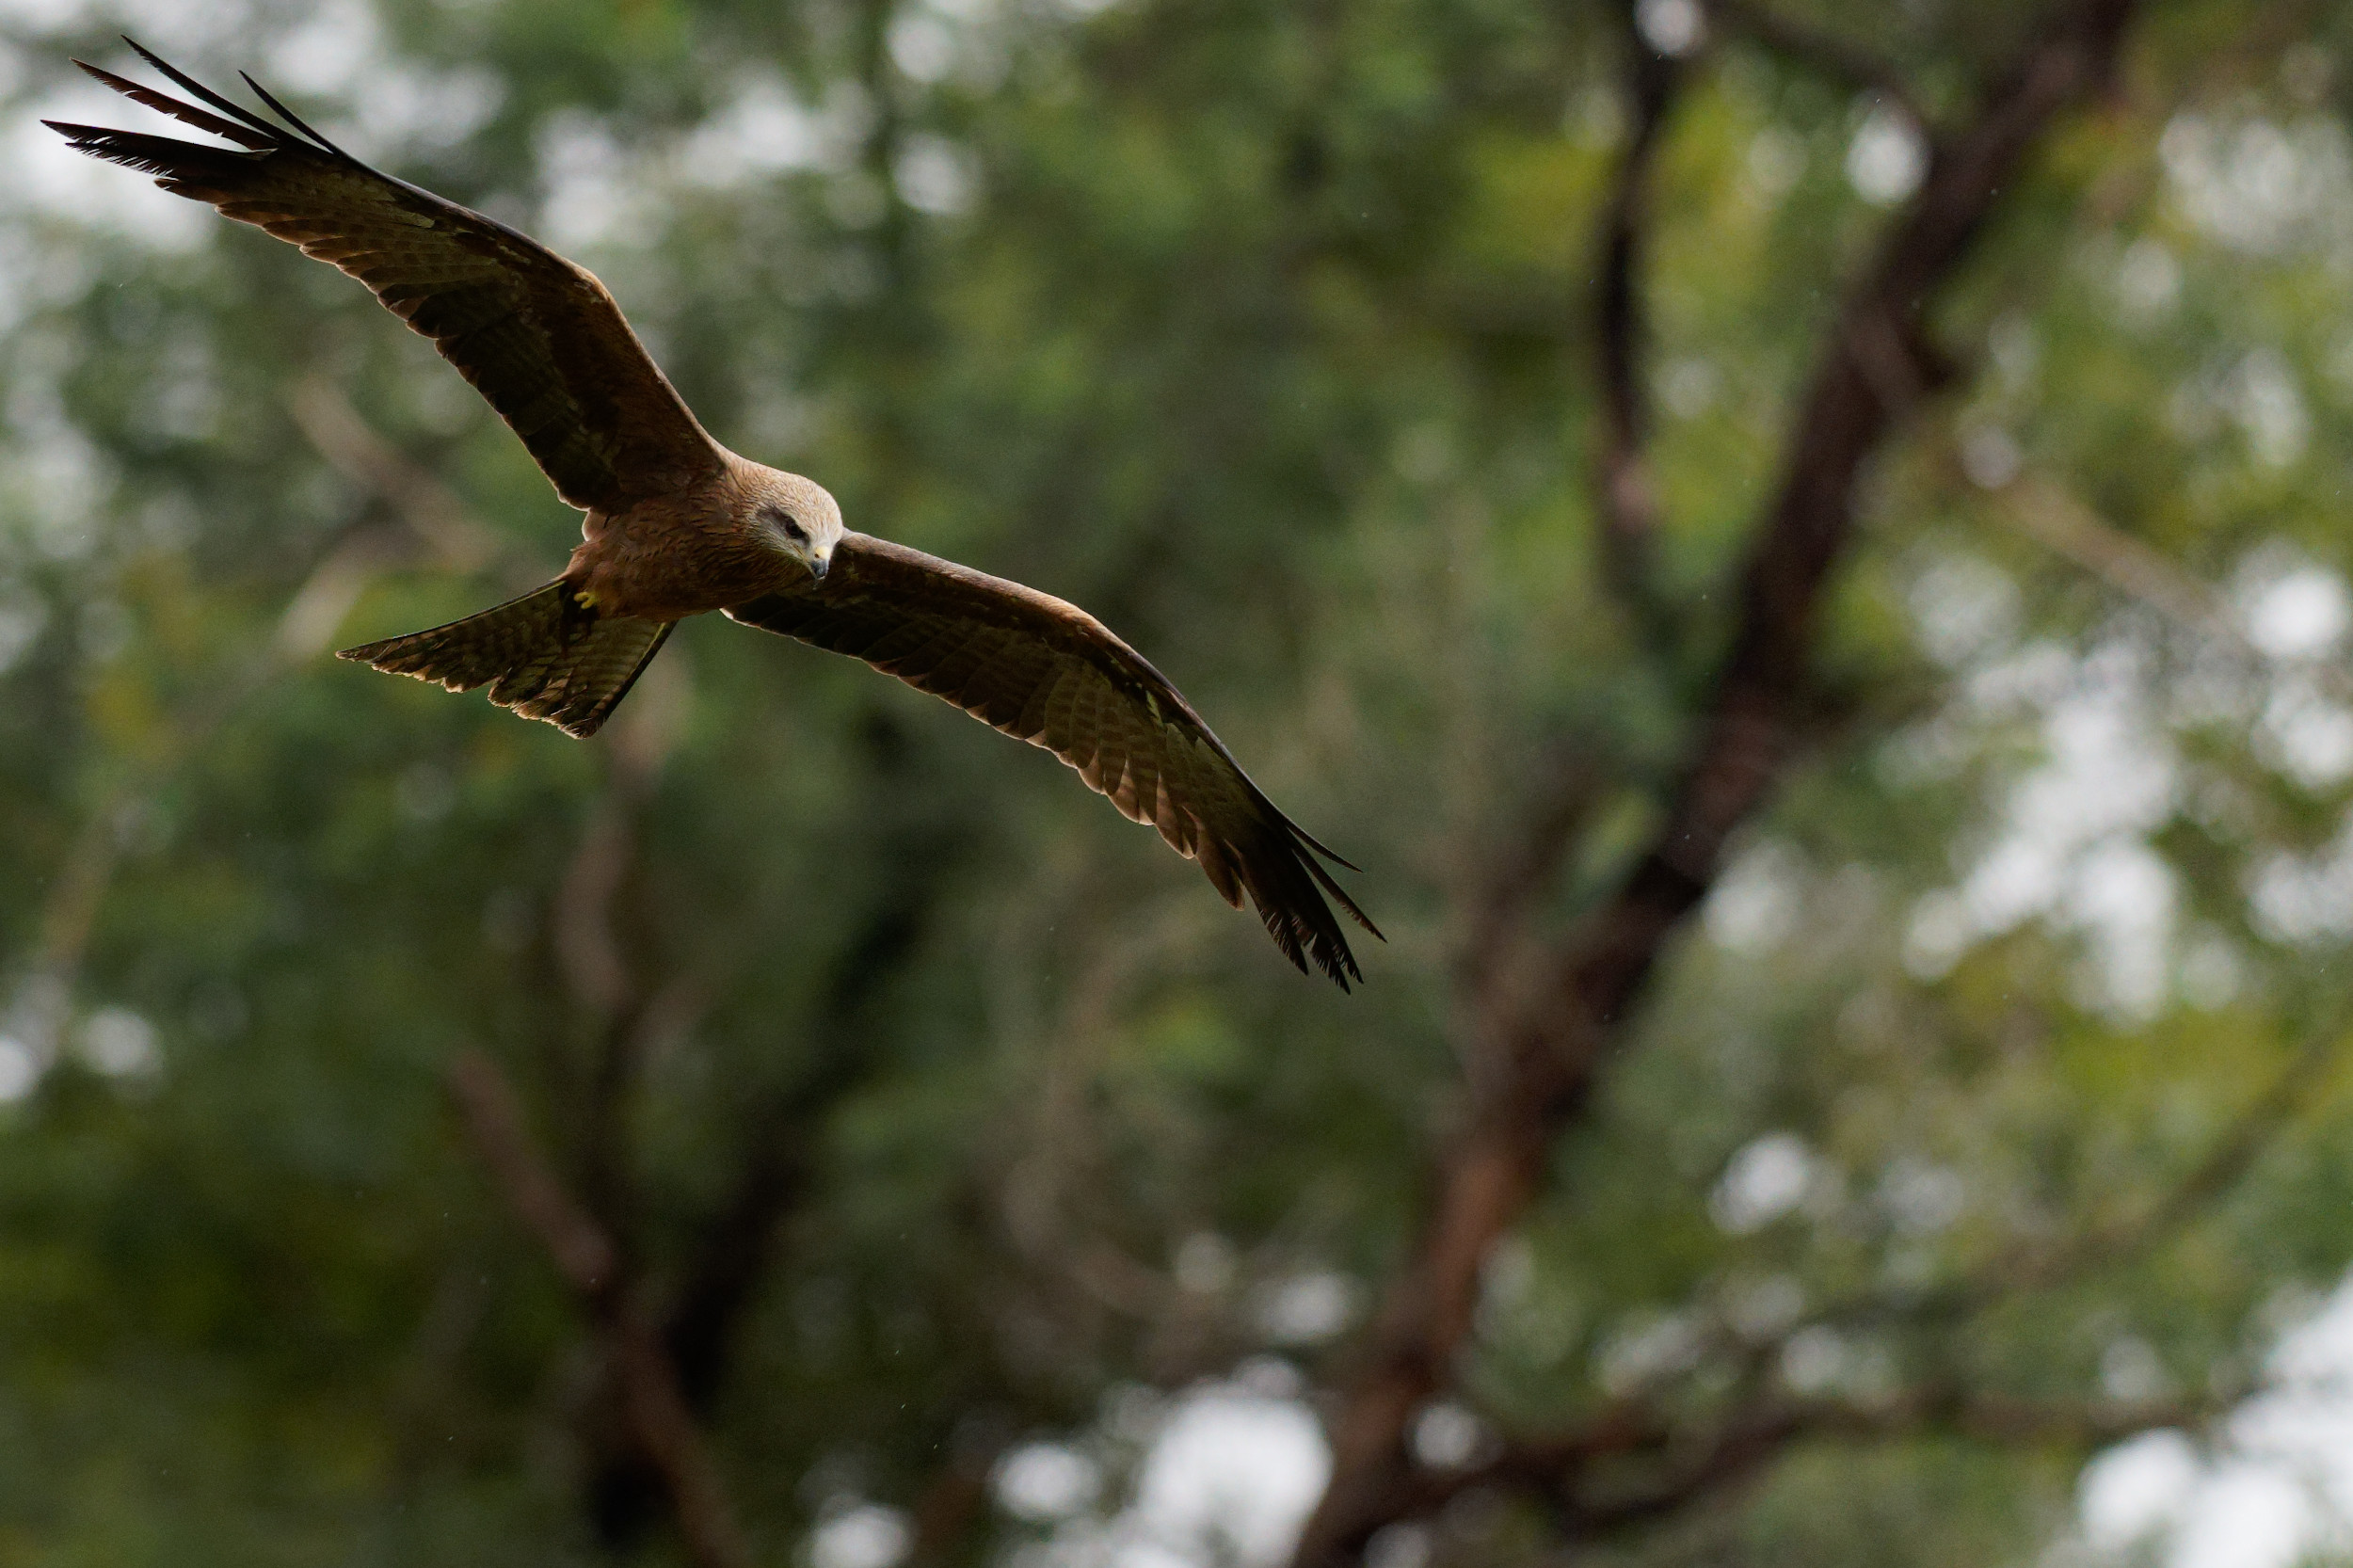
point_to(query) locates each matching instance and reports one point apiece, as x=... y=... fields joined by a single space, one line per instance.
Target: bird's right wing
x=1050 y=674
x=537 y=336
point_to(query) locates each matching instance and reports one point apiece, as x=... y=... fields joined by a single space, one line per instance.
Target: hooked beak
x=821 y=565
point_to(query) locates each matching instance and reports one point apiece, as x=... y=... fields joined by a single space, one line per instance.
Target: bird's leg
x=580 y=613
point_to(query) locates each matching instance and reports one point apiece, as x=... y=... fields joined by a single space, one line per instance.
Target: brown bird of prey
x=677 y=524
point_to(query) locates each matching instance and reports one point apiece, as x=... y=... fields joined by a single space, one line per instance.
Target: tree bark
x=1875 y=365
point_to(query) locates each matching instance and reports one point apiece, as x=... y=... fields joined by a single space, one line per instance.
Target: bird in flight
x=678 y=525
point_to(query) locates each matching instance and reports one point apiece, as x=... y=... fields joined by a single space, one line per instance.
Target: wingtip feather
x=1289 y=889
x=291 y=118
x=162 y=156
x=189 y=84
x=1325 y=880
x=186 y=113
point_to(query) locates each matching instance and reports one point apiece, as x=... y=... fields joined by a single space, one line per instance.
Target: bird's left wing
x=537 y=336
x=1050 y=674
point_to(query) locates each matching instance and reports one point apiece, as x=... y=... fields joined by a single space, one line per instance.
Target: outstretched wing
x=1049 y=672
x=536 y=335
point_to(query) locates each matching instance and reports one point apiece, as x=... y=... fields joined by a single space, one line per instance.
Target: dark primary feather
x=1049 y=672
x=536 y=335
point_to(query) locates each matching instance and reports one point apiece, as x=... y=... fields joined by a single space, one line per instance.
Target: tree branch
x=2043 y=1266
x=1875 y=365
x=38 y=1001
x=2057 y=518
x=1743 y=1443
x=2053 y=517
x=429 y=509
x=1739 y=1449
x=1838 y=59
x=728 y=1257
x=1626 y=494
x=605 y=953
x=1695 y=1464
x=733 y=1250
x=652 y=1403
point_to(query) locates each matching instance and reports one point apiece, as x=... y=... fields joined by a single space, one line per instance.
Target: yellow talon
x=586 y=599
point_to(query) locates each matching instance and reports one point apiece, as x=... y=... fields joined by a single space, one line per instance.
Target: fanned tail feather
x=545 y=655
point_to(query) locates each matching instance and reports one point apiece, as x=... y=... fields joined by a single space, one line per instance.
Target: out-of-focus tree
x=1800 y=544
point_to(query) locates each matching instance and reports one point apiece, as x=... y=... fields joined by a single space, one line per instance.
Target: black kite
x=678 y=525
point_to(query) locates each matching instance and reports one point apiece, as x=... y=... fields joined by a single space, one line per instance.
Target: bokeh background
x=1972 y=1182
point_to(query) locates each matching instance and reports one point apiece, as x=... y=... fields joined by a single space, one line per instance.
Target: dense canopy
x=1804 y=541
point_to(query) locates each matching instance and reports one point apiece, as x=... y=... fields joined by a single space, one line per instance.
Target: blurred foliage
x=1262 y=332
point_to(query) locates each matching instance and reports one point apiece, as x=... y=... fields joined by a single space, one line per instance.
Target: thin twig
x=2059 y=519
x=428 y=507
x=2054 y=516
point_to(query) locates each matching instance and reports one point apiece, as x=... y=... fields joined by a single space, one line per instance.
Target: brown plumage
x=1050 y=674
x=678 y=525
x=544 y=655
x=537 y=336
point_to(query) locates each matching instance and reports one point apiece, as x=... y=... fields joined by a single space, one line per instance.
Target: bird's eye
x=794 y=529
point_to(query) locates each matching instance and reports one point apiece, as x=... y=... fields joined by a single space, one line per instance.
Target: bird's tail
x=546 y=655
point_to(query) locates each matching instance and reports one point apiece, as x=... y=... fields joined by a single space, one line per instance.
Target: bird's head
x=799 y=519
